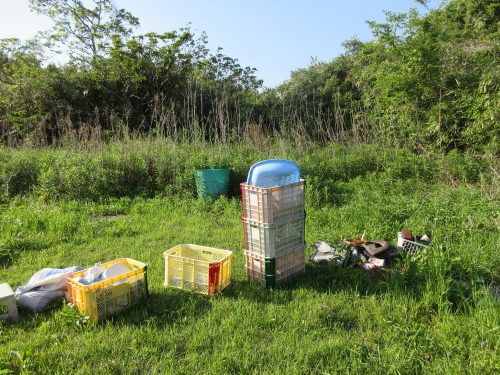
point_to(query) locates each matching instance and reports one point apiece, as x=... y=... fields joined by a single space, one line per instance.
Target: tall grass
x=147 y=168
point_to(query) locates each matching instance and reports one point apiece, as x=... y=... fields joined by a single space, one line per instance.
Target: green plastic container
x=270 y=268
x=211 y=182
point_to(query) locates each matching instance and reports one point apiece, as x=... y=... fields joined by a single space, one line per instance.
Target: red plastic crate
x=275 y=271
x=269 y=205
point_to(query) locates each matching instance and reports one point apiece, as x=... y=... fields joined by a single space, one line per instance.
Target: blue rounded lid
x=273 y=172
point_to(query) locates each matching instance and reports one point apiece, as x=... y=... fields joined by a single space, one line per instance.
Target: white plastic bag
x=37 y=300
x=93 y=274
x=43 y=287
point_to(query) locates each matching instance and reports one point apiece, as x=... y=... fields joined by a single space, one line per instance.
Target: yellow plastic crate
x=110 y=296
x=203 y=269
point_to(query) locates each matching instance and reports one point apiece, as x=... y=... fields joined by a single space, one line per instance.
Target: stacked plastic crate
x=274 y=226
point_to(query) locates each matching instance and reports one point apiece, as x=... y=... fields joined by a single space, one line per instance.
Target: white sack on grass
x=43 y=287
x=49 y=279
x=37 y=300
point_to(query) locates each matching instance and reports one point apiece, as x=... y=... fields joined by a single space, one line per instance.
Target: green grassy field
x=431 y=314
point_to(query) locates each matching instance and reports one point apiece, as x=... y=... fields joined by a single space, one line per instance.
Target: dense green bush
x=19 y=173
x=424 y=82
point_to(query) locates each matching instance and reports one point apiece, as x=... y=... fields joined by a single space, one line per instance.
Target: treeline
x=423 y=82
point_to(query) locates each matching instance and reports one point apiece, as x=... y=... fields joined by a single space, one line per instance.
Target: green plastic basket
x=211 y=182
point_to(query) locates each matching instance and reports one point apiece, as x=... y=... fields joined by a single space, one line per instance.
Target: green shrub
x=457 y=167
x=19 y=173
x=149 y=168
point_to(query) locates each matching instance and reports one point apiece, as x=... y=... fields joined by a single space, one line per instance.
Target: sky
x=273 y=36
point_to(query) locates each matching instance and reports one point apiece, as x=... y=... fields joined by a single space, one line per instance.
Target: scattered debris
x=413 y=244
x=325 y=253
x=355 y=252
x=378 y=262
x=375 y=247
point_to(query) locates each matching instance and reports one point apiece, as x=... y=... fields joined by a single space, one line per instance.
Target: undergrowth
x=151 y=168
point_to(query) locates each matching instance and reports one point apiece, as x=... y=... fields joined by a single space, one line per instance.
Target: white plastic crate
x=271 y=240
x=410 y=247
x=275 y=271
x=269 y=205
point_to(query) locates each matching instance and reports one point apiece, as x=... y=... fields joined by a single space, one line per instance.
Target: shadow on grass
x=165 y=308
x=332 y=278
x=408 y=281
x=162 y=309
x=170 y=306
x=338 y=195
x=244 y=289
x=327 y=279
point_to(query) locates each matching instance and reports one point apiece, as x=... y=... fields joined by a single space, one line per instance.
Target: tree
x=85 y=32
x=25 y=93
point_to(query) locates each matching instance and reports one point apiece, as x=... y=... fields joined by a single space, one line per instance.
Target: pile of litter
x=367 y=254
x=412 y=244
